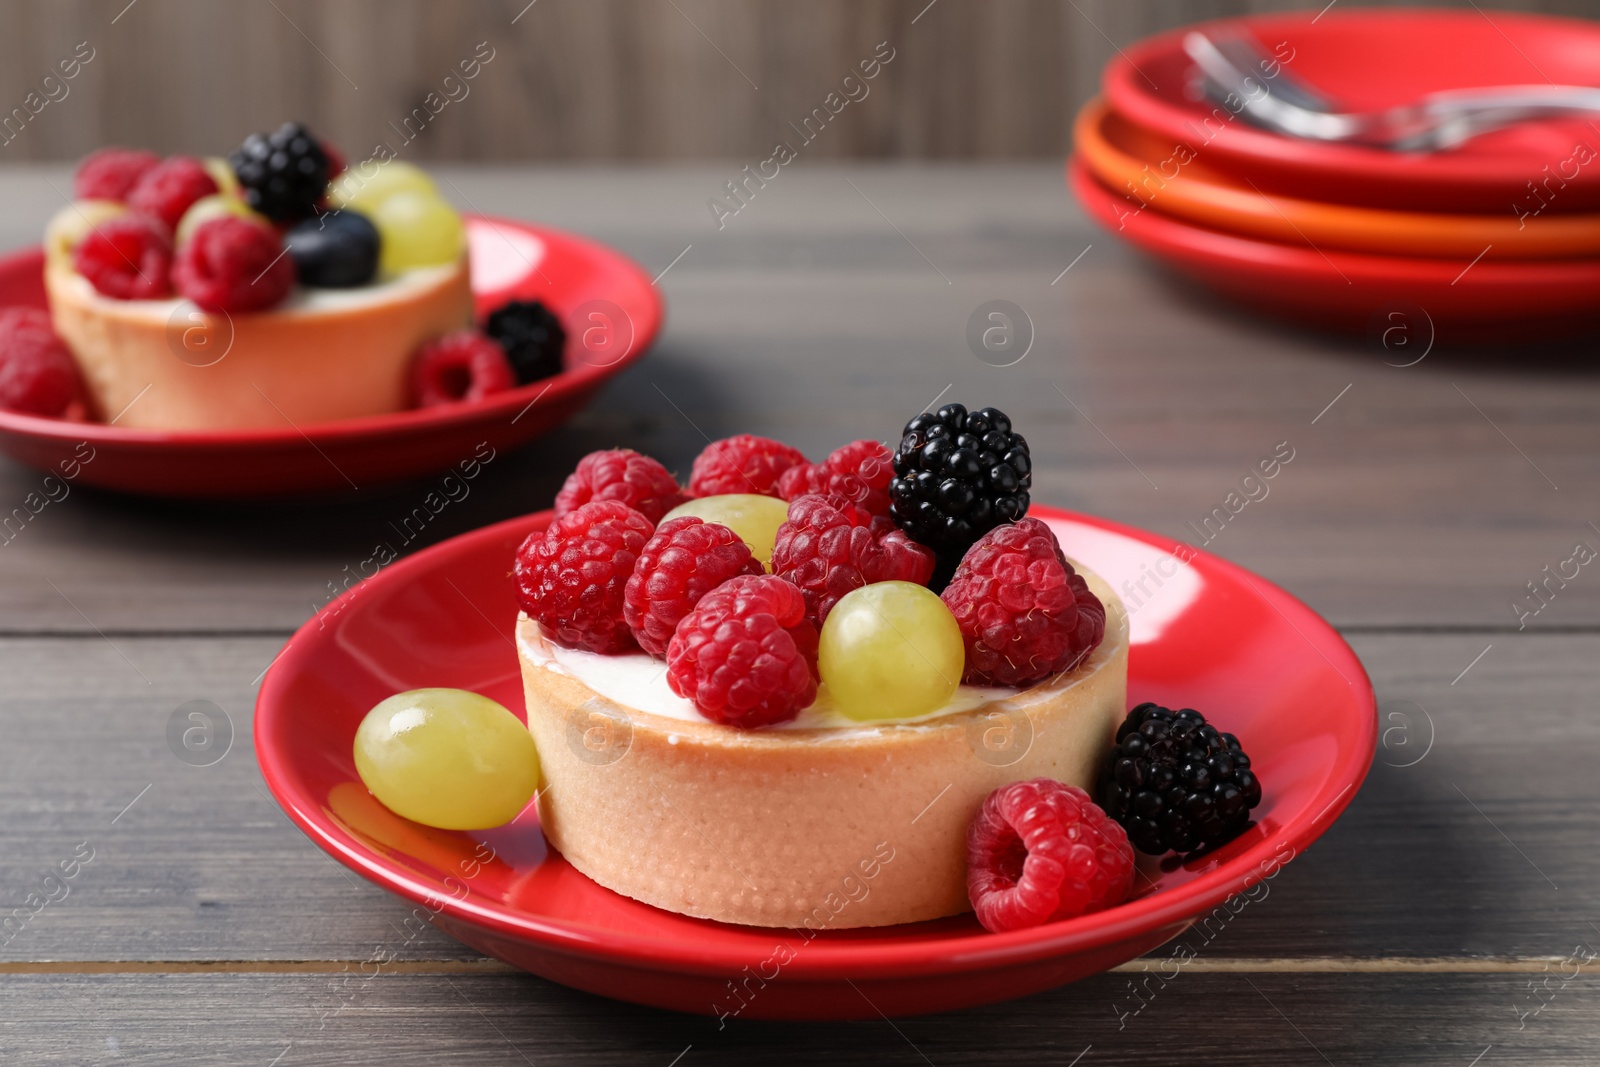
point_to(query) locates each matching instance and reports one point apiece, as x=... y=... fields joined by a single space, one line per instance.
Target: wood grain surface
x=1418 y=499
x=1423 y=929
x=576 y=79
x=1271 y=1020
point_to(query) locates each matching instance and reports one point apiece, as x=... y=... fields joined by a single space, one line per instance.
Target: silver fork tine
x=1235 y=68
x=1248 y=54
x=1264 y=108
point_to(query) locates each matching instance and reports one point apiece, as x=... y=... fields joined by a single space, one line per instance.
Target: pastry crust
x=335 y=356
x=824 y=828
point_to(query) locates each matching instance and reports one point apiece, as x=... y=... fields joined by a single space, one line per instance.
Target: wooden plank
x=606 y=79
x=610 y=79
x=1455 y=855
x=405 y=1019
x=810 y=318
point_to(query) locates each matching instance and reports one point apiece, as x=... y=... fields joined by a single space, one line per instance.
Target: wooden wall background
x=579 y=79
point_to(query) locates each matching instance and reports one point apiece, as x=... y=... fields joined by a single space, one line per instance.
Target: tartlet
x=817 y=827
x=821 y=696
x=274 y=289
x=324 y=354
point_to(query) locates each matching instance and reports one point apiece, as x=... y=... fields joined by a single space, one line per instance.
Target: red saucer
x=1211 y=636
x=611 y=310
x=1455 y=300
x=1367 y=59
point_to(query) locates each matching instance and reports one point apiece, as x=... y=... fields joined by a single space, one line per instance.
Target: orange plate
x=1173 y=178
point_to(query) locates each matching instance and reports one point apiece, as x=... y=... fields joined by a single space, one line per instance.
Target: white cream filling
x=639 y=681
x=303 y=301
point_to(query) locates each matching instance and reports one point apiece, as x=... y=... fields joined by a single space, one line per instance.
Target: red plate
x=1369 y=59
x=1454 y=300
x=1257 y=660
x=611 y=310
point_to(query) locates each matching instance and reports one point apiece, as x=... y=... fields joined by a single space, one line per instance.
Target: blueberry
x=337 y=251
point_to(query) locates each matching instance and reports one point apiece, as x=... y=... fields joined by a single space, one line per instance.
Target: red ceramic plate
x=612 y=314
x=1368 y=59
x=1257 y=660
x=1455 y=300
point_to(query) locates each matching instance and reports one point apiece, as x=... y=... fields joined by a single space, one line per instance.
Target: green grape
x=754 y=518
x=416 y=229
x=447 y=758
x=214 y=207
x=890 y=650
x=221 y=172
x=363 y=186
x=69 y=226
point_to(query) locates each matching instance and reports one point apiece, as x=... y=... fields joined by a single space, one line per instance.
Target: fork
x=1233 y=67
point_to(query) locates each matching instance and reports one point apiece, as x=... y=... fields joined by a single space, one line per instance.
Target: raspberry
x=742 y=464
x=230 y=264
x=571 y=578
x=829 y=547
x=460 y=366
x=1175 y=783
x=127 y=258
x=744 y=654
x=621 y=474
x=686 y=559
x=166 y=190
x=37 y=373
x=803 y=479
x=1039 y=851
x=111 y=173
x=860 y=470
x=1024 y=612
x=336 y=163
x=904 y=559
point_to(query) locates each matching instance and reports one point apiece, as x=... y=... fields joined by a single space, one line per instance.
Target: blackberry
x=281 y=174
x=1175 y=783
x=958 y=475
x=532 y=336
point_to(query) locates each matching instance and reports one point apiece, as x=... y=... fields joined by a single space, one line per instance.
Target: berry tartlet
x=276 y=287
x=784 y=696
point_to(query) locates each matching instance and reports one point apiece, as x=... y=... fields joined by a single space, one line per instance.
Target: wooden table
x=1432 y=925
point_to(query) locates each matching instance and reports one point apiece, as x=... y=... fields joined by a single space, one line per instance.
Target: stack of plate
x=1496 y=239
